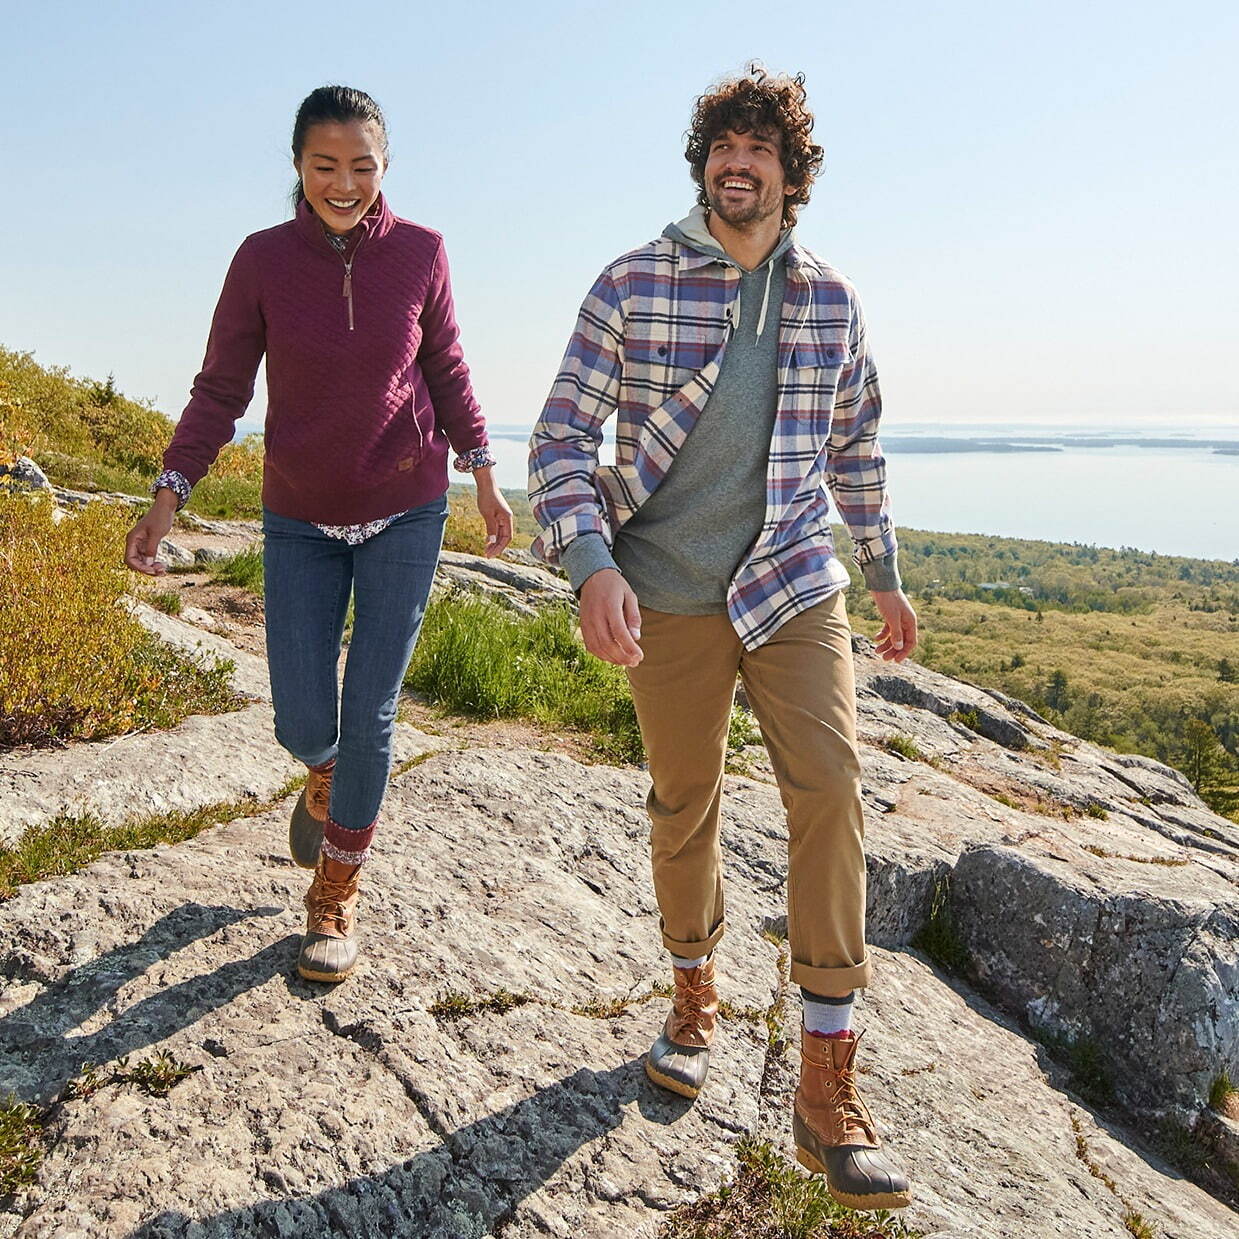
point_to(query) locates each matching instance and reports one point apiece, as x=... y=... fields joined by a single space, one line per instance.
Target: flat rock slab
x=208 y=759
x=359 y=1110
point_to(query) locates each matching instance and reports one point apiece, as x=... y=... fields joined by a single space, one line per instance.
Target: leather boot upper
x=694 y=1006
x=827 y=1100
x=331 y=901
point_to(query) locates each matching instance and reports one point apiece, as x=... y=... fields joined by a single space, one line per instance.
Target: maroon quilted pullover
x=366 y=381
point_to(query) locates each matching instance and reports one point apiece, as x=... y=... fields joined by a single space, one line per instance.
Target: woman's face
x=341 y=166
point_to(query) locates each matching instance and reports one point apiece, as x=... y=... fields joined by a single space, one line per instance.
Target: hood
x=693 y=232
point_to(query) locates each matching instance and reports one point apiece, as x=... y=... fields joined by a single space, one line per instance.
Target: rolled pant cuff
x=694 y=950
x=831 y=982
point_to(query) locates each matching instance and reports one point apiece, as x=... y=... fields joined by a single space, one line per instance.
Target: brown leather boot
x=680 y=1057
x=305 y=831
x=329 y=948
x=834 y=1130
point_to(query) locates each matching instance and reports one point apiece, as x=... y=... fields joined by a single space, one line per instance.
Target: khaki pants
x=801 y=686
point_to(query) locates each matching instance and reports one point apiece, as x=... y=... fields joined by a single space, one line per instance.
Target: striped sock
x=349 y=847
x=826 y=1016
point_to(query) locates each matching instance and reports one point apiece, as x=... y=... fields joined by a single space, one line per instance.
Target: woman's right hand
x=142 y=544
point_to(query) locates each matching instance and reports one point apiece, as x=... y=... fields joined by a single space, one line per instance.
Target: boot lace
x=847 y=1104
x=318 y=791
x=329 y=896
x=690 y=1003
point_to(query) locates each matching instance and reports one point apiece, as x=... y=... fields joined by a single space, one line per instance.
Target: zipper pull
x=348 y=292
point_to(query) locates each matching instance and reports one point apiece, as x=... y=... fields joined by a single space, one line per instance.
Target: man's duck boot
x=329 y=948
x=834 y=1131
x=680 y=1057
x=305 y=830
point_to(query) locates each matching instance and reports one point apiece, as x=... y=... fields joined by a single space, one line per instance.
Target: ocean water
x=1176 y=501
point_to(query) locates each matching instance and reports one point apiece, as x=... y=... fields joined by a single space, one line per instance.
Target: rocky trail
x=481 y=1073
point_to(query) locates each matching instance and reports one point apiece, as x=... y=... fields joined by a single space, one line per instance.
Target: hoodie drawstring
x=765 y=301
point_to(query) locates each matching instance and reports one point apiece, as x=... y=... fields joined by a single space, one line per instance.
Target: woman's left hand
x=494 y=510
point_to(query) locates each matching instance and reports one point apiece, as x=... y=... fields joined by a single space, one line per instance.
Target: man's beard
x=761 y=207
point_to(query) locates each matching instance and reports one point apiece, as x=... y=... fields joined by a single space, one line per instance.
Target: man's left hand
x=898 y=636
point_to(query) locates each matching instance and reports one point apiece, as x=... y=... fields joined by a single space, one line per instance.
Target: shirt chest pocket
x=660 y=359
x=811 y=381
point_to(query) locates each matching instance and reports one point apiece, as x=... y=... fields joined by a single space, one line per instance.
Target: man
x=737 y=364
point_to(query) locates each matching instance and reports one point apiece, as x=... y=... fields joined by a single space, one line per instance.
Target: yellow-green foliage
x=85 y=435
x=44 y=409
x=73 y=662
x=466 y=530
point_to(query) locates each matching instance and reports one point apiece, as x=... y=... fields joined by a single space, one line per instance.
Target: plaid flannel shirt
x=648 y=345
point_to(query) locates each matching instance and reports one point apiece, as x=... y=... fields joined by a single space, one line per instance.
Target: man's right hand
x=611 y=619
x=142 y=544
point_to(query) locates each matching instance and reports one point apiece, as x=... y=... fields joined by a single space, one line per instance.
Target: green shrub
x=742 y=729
x=44 y=408
x=905 y=746
x=243 y=569
x=478 y=659
x=168 y=601
x=73 y=661
x=21 y=1147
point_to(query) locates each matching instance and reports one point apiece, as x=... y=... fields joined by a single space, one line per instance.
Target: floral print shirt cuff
x=478 y=458
x=176 y=483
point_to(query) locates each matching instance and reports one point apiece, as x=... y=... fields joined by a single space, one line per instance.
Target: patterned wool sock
x=825 y=1016
x=680 y=962
x=349 y=847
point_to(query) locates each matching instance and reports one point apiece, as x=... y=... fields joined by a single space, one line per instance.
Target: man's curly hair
x=765 y=103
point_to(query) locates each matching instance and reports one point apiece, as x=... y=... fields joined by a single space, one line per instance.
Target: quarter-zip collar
x=374 y=225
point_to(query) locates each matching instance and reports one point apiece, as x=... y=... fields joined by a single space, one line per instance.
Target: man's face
x=744 y=180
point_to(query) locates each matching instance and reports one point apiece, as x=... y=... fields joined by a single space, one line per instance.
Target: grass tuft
x=1224 y=1096
x=481 y=660
x=904 y=746
x=769 y=1198
x=166 y=600
x=243 y=569
x=68 y=843
x=454 y=1004
x=21 y=1148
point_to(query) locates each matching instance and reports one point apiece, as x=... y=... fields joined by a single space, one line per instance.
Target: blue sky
x=1037 y=202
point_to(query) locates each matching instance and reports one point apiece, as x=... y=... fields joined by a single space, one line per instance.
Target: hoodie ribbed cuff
x=584 y=556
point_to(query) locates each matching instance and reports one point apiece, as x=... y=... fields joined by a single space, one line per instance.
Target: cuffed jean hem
x=693 y=950
x=832 y=982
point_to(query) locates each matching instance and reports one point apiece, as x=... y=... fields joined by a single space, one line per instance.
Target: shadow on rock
x=37 y=1057
x=466 y=1187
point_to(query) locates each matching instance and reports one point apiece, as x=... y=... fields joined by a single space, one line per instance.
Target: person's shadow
x=467 y=1186
x=38 y=1056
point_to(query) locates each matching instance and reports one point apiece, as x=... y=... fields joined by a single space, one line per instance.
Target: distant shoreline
x=903 y=443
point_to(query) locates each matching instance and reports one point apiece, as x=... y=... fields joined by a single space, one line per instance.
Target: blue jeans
x=308 y=578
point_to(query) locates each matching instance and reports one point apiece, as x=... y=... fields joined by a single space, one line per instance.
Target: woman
x=367 y=389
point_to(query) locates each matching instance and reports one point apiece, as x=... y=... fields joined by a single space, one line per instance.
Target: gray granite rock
x=23 y=474
x=362 y=1110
